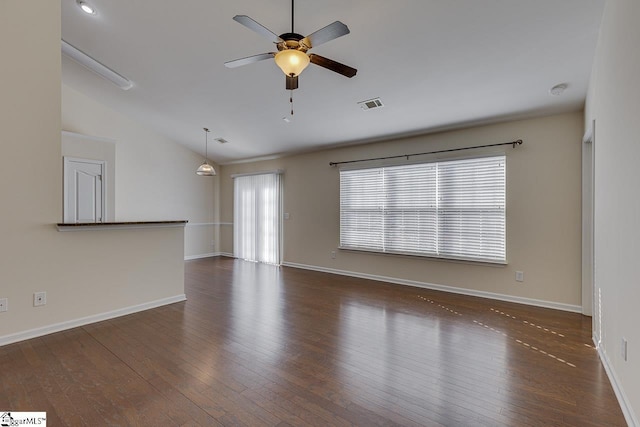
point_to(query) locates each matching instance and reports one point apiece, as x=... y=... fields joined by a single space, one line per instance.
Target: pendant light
x=206 y=169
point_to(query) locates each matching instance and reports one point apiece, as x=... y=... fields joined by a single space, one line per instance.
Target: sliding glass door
x=257 y=224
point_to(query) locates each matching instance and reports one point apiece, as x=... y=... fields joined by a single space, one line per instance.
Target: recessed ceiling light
x=86 y=7
x=557 y=90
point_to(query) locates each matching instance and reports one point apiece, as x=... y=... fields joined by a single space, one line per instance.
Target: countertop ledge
x=78 y=226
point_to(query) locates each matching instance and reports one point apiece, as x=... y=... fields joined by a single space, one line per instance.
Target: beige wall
x=154 y=177
x=614 y=103
x=85 y=274
x=543 y=211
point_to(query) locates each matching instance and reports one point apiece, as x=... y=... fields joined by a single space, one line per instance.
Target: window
x=257 y=215
x=449 y=209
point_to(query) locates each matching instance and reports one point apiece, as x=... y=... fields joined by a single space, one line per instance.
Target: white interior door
x=84 y=190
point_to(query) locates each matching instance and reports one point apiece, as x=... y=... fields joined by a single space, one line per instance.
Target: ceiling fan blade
x=332 y=65
x=328 y=33
x=249 y=60
x=257 y=27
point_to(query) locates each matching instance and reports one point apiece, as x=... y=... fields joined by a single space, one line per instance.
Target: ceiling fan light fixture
x=292 y=61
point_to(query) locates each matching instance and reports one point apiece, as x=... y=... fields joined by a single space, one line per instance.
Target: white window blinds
x=450 y=209
x=257 y=222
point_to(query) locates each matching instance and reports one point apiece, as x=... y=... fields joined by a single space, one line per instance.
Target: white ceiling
x=434 y=63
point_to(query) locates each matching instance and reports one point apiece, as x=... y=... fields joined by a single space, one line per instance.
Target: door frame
x=589 y=300
x=65 y=172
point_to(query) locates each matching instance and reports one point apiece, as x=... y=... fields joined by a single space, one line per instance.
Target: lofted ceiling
x=435 y=64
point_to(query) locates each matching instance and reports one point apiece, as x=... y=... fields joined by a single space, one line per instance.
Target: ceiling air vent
x=371 y=103
x=221 y=140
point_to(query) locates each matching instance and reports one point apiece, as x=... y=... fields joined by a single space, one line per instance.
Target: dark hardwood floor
x=260 y=345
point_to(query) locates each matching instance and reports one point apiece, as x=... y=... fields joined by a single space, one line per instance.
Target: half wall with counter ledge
x=78 y=226
x=107 y=270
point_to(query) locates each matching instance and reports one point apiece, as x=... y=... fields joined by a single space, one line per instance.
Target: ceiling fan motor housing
x=292 y=41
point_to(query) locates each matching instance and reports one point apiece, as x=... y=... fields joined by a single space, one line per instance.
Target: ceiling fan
x=292 y=56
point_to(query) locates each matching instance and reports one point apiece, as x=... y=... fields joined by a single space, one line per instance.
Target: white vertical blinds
x=450 y=209
x=257 y=217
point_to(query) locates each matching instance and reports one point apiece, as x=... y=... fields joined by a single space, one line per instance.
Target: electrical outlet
x=4 y=304
x=287 y=215
x=213 y=243
x=333 y=254
x=519 y=276
x=39 y=298
x=623 y=349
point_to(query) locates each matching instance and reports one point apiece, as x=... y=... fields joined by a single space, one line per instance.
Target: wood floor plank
x=258 y=345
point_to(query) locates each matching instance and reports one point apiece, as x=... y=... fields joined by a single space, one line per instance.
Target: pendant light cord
x=206 y=144
x=292 y=16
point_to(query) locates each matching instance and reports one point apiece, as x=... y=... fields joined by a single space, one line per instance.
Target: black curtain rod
x=513 y=143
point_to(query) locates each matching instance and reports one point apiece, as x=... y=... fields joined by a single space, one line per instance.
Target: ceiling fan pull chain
x=291 y=101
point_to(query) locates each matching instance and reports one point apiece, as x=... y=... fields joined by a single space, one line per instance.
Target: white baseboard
x=200 y=256
x=627 y=411
x=69 y=324
x=452 y=289
x=210 y=255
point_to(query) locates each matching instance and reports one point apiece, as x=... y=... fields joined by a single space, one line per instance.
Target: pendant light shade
x=205 y=168
x=292 y=61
